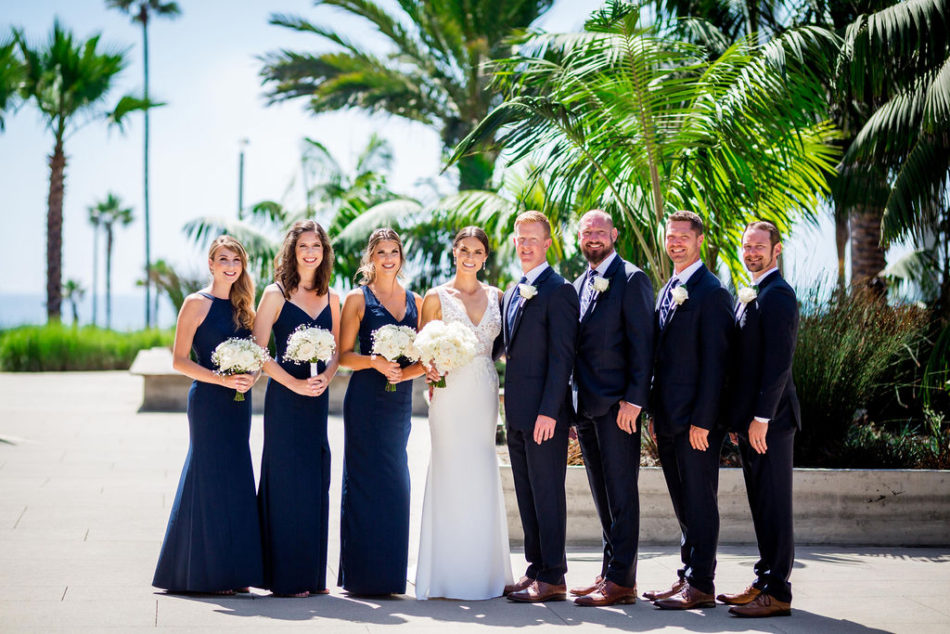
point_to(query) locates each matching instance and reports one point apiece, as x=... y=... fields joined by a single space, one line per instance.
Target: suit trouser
x=692 y=478
x=768 y=482
x=612 y=459
x=539 y=472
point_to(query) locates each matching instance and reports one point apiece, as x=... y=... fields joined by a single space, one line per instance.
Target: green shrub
x=55 y=348
x=848 y=347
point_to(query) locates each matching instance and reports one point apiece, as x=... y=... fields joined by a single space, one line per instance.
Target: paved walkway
x=86 y=484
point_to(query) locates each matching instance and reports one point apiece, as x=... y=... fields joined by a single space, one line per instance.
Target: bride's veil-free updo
x=367 y=272
x=472 y=231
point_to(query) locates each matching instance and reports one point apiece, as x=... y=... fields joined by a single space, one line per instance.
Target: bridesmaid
x=213 y=540
x=294 y=494
x=374 y=523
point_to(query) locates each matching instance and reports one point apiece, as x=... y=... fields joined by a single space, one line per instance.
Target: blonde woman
x=213 y=542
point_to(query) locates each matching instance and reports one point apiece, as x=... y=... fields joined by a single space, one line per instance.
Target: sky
x=204 y=66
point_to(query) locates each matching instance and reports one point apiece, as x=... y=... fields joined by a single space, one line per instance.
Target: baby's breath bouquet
x=238 y=356
x=310 y=345
x=394 y=343
x=445 y=346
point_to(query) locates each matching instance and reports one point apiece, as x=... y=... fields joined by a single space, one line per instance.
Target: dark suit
x=688 y=377
x=761 y=377
x=614 y=363
x=540 y=353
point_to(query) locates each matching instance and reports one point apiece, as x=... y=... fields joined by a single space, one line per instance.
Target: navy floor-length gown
x=294 y=494
x=374 y=522
x=213 y=540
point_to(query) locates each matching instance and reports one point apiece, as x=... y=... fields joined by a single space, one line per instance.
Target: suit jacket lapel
x=506 y=301
x=537 y=284
x=608 y=275
x=691 y=282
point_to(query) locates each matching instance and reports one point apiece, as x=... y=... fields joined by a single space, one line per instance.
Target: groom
x=612 y=374
x=539 y=328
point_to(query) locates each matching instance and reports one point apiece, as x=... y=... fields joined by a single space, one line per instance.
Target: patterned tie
x=667 y=302
x=513 y=306
x=588 y=295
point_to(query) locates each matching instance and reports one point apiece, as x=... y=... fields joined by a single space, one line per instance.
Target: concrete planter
x=883 y=507
x=165 y=390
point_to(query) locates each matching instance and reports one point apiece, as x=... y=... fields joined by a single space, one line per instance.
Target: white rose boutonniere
x=680 y=295
x=747 y=294
x=601 y=284
x=527 y=291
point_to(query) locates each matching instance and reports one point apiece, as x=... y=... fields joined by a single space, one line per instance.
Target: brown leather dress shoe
x=653 y=595
x=741 y=598
x=539 y=592
x=762 y=606
x=609 y=594
x=518 y=586
x=689 y=598
x=585 y=590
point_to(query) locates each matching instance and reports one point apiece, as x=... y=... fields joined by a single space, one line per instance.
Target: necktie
x=667 y=302
x=513 y=306
x=588 y=295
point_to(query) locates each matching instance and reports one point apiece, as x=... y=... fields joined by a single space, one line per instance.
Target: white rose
x=306 y=351
x=747 y=294
x=680 y=295
x=527 y=291
x=601 y=284
x=247 y=360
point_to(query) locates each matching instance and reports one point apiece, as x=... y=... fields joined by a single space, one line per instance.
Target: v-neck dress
x=374 y=521
x=294 y=493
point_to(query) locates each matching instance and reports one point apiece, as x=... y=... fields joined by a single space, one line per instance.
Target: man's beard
x=595 y=257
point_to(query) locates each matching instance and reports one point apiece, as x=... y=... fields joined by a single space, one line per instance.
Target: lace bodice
x=454 y=310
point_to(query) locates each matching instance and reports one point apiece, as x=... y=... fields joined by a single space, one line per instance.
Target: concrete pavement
x=86 y=483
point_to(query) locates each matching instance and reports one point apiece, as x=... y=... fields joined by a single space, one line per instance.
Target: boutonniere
x=527 y=291
x=680 y=295
x=748 y=294
x=601 y=284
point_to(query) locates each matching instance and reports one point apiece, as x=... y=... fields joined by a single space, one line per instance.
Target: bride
x=463 y=548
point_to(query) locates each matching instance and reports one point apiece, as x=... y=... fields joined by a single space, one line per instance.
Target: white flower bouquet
x=238 y=356
x=310 y=345
x=446 y=347
x=394 y=343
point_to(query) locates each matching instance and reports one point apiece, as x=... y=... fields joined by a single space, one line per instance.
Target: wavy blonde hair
x=367 y=272
x=241 y=294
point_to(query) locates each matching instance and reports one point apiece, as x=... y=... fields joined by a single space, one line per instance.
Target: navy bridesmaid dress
x=374 y=522
x=213 y=540
x=294 y=495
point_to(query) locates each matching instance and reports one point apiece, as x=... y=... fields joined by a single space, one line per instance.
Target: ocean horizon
x=128 y=311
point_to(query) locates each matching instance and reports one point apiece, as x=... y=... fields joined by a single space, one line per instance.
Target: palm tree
x=64 y=79
x=433 y=74
x=110 y=213
x=73 y=292
x=175 y=285
x=900 y=56
x=95 y=219
x=626 y=117
x=141 y=11
x=11 y=77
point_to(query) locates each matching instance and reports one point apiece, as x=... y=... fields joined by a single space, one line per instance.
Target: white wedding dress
x=463 y=547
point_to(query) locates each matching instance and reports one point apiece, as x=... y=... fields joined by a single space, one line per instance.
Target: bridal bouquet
x=395 y=342
x=238 y=356
x=310 y=345
x=446 y=347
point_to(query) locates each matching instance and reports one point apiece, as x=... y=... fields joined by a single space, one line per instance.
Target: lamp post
x=242 y=145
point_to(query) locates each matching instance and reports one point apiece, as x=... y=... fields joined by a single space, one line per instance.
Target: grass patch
x=58 y=348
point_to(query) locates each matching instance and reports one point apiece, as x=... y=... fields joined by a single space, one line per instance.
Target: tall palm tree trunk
x=95 y=275
x=867 y=256
x=143 y=16
x=109 y=276
x=841 y=244
x=54 y=233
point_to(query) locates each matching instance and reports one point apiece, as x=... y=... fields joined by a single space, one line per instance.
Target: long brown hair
x=367 y=272
x=285 y=264
x=242 y=291
x=472 y=231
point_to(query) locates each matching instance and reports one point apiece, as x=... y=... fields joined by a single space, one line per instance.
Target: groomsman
x=612 y=372
x=539 y=329
x=765 y=414
x=694 y=320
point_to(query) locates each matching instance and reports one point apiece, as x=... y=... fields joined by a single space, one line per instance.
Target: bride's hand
x=432 y=374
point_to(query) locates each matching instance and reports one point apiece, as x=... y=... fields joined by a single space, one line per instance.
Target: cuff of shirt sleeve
x=633 y=404
x=761 y=420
